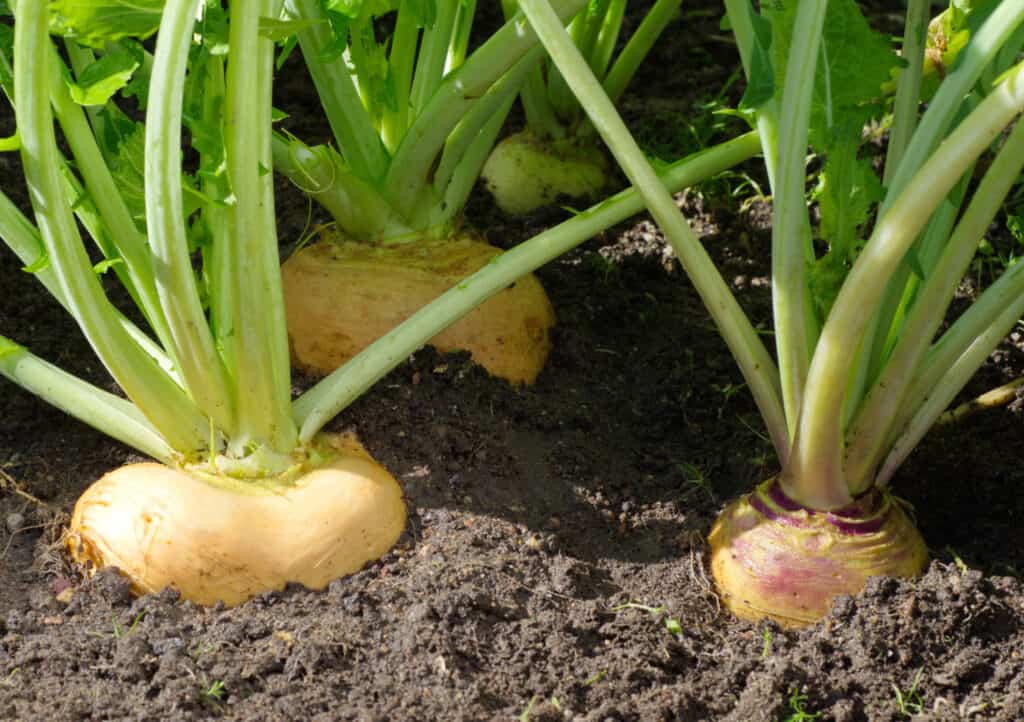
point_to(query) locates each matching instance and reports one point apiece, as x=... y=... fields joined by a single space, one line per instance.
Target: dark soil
x=554 y=565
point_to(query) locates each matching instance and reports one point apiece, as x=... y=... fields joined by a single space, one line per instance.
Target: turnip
x=557 y=154
x=385 y=284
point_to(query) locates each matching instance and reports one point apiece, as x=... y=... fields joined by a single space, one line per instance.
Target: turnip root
x=771 y=557
x=340 y=296
x=524 y=173
x=221 y=539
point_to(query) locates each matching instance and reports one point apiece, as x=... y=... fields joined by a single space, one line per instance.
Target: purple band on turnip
x=866 y=515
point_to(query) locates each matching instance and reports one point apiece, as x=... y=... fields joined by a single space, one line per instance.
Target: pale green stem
x=818 y=447
x=594 y=21
x=161 y=400
x=434 y=44
x=325 y=400
x=262 y=373
x=638 y=47
x=190 y=342
x=466 y=173
x=103 y=411
x=740 y=16
x=980 y=330
x=81 y=58
x=541 y=119
x=908 y=89
x=561 y=98
x=218 y=261
x=753 y=358
x=401 y=62
x=352 y=126
x=899 y=292
x=137 y=274
x=608 y=38
x=872 y=426
x=461 y=35
x=789 y=274
x=410 y=174
x=928 y=249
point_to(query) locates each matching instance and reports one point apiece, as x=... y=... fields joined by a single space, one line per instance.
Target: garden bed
x=554 y=562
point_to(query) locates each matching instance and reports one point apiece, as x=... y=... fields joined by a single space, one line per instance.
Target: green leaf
x=1015 y=224
x=10 y=143
x=97 y=22
x=127 y=167
x=213 y=29
x=761 y=84
x=286 y=50
x=853 y=65
x=40 y=264
x=347 y=8
x=105 y=265
x=8 y=347
x=848 y=186
x=7 y=60
x=102 y=79
x=371 y=65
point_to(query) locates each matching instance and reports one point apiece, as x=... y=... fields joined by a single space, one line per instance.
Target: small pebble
x=15 y=521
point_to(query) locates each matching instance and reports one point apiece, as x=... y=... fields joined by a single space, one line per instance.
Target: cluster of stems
x=850 y=397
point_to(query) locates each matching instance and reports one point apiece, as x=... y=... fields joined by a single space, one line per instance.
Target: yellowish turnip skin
x=790 y=568
x=230 y=541
x=524 y=173
x=341 y=296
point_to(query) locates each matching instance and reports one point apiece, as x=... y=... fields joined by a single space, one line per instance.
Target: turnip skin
x=341 y=296
x=771 y=558
x=228 y=540
x=524 y=173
